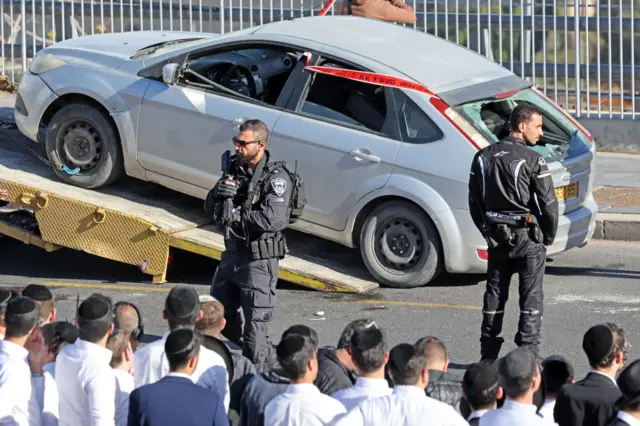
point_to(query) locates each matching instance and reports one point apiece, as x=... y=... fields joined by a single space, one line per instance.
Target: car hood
x=112 y=49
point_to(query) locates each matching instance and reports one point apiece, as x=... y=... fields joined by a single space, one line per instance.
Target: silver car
x=385 y=168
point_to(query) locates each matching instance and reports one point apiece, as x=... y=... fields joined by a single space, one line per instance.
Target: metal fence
x=580 y=53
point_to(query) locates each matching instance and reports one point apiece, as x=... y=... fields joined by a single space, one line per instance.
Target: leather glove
x=225 y=189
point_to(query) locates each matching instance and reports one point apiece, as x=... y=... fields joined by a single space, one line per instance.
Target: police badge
x=279 y=186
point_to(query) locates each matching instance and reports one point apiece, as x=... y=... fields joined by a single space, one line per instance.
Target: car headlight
x=45 y=63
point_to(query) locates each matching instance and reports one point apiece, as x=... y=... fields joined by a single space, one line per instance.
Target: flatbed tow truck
x=140 y=224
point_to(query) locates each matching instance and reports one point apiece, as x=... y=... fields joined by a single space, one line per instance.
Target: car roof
x=439 y=64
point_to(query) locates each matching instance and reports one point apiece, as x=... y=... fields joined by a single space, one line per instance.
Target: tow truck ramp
x=138 y=223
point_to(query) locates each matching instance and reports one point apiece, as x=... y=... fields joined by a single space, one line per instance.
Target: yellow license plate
x=567 y=192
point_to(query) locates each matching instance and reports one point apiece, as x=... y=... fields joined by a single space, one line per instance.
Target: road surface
x=583 y=287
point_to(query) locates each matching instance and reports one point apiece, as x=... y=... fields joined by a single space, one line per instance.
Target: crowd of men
x=97 y=372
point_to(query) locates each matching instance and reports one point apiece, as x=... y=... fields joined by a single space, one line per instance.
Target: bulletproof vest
x=298 y=197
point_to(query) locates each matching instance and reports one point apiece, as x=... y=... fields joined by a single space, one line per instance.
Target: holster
x=269 y=247
x=507 y=233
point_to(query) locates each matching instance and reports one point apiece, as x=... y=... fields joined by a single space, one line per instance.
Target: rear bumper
x=575 y=229
x=35 y=97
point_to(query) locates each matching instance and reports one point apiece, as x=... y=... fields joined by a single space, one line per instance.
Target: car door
x=343 y=135
x=184 y=129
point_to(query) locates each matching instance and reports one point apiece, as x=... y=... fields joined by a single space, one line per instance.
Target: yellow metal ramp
x=137 y=223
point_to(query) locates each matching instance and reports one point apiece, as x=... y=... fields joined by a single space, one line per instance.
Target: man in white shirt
x=18 y=403
x=56 y=336
x=369 y=355
x=302 y=403
x=182 y=309
x=408 y=405
x=5 y=295
x=122 y=364
x=87 y=387
x=43 y=296
x=481 y=388
x=520 y=379
x=557 y=372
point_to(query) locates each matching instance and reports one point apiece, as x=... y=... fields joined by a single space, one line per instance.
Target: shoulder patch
x=279 y=186
x=541 y=161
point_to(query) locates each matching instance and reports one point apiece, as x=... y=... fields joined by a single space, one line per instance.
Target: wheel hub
x=400 y=244
x=82 y=145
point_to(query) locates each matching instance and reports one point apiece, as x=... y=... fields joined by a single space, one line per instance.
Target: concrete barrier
x=614 y=134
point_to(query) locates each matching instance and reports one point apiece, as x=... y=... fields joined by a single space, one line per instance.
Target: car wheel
x=80 y=136
x=400 y=245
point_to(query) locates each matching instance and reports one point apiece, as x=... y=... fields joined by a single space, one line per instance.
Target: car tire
x=414 y=258
x=83 y=123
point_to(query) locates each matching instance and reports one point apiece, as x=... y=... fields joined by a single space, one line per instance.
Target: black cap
x=182 y=302
x=59 y=332
x=598 y=342
x=94 y=308
x=21 y=306
x=5 y=295
x=481 y=377
x=520 y=362
x=179 y=341
x=629 y=384
x=37 y=292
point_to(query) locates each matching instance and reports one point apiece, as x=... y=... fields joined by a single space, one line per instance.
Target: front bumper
x=34 y=96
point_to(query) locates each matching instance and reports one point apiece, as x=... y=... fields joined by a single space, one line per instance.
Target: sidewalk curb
x=617 y=227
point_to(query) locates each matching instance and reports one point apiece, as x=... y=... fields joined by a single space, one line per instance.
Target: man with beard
x=265 y=197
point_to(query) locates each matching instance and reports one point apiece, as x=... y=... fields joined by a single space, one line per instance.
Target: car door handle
x=358 y=153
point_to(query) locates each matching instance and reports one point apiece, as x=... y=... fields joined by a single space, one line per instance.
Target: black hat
x=520 y=362
x=598 y=342
x=94 y=308
x=37 y=292
x=218 y=346
x=629 y=384
x=21 y=306
x=182 y=302
x=5 y=295
x=180 y=340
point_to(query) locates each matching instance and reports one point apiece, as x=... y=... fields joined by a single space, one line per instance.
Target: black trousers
x=529 y=264
x=247 y=288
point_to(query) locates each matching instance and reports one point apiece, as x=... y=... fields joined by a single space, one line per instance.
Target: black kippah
x=37 y=292
x=94 y=308
x=598 y=342
x=5 y=295
x=182 y=302
x=59 y=332
x=179 y=341
x=21 y=306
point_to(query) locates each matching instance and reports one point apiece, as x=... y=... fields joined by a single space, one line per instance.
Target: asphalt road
x=583 y=287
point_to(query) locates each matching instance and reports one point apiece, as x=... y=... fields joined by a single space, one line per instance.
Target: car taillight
x=482 y=254
x=463 y=126
x=565 y=113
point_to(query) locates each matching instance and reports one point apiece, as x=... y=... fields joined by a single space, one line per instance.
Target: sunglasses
x=238 y=142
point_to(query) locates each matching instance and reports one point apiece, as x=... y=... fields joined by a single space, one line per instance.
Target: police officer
x=513 y=204
x=248 y=272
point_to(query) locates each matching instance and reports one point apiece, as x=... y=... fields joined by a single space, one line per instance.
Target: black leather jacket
x=509 y=178
x=444 y=388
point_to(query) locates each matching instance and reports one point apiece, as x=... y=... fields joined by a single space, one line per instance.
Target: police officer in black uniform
x=248 y=272
x=513 y=204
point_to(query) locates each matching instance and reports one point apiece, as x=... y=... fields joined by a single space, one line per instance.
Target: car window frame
x=295 y=103
x=154 y=72
x=409 y=140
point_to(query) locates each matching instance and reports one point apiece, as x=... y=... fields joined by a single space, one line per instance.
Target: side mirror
x=170 y=74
